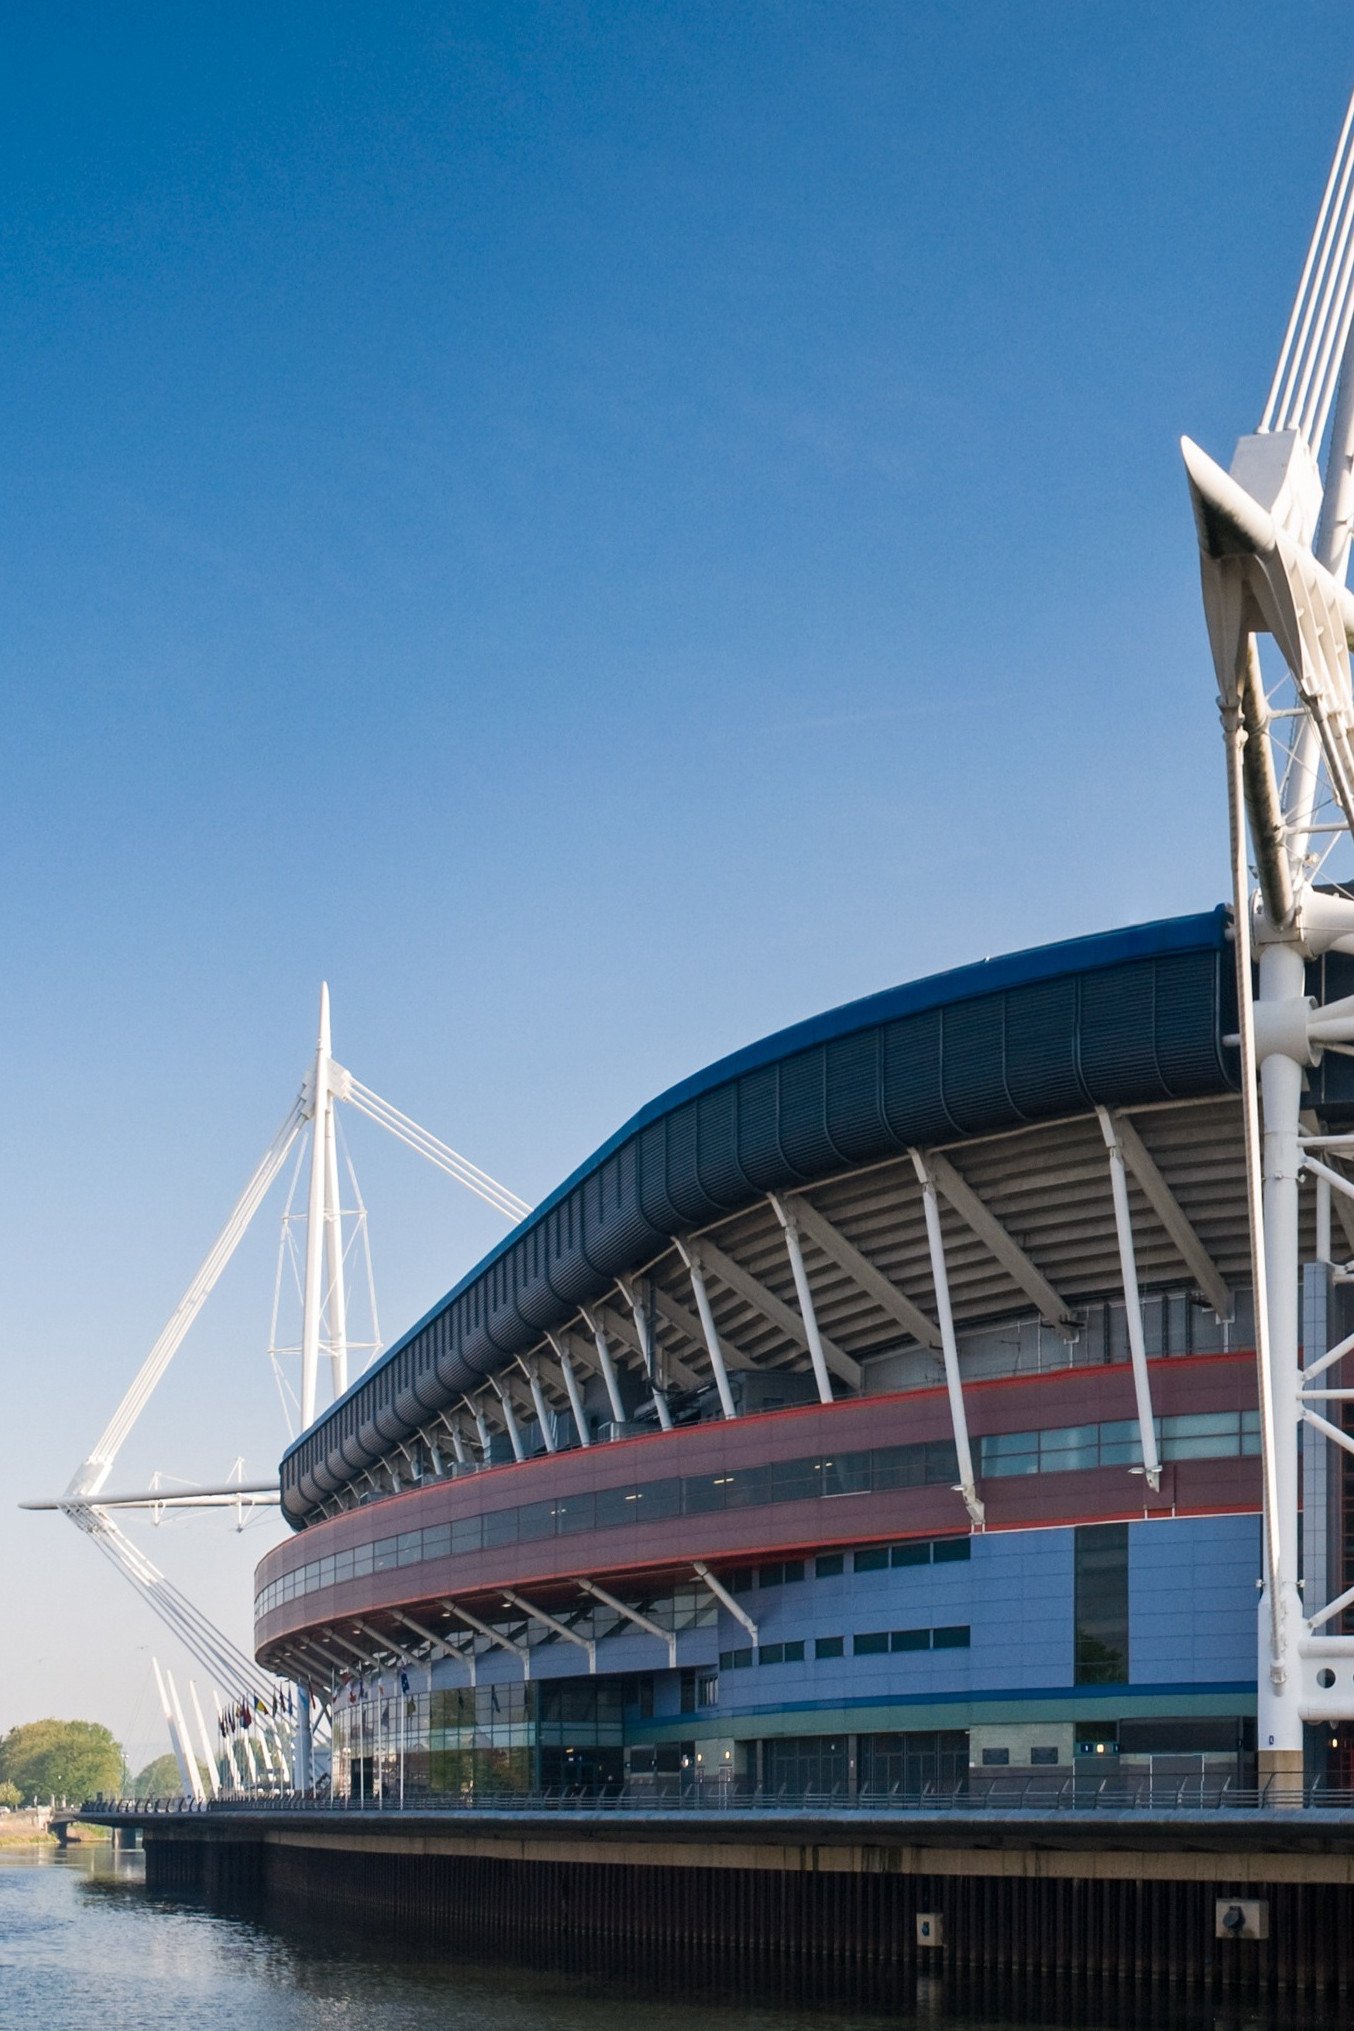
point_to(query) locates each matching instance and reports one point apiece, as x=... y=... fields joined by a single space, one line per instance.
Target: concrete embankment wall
x=829 y=1916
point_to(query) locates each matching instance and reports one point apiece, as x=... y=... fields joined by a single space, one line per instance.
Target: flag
x=404 y=1681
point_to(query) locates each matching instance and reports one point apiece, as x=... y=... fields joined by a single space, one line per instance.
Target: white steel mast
x=1274 y=549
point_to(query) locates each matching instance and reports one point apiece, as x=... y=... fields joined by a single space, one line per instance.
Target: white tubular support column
x=303 y=1745
x=1279 y=1723
x=648 y=1351
x=333 y=1228
x=482 y=1428
x=707 y=1318
x=208 y=1754
x=189 y=1755
x=1323 y=1220
x=312 y=1304
x=176 y=1742
x=544 y=1415
x=453 y=1431
x=1128 y=1271
x=640 y=1621
x=519 y=1451
x=790 y=1228
x=571 y=1388
x=606 y=1362
x=726 y=1600
x=948 y=1344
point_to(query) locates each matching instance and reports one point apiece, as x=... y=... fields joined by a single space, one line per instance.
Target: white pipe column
x=949 y=1346
x=313 y=1298
x=790 y=1228
x=303 y=1742
x=333 y=1228
x=544 y=1416
x=1128 y=1271
x=648 y=1353
x=1279 y=1725
x=606 y=1362
x=206 y=1740
x=176 y=1743
x=189 y=1761
x=572 y=1390
x=706 y=1315
x=519 y=1451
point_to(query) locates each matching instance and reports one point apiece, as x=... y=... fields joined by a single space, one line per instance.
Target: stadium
x=875 y=1413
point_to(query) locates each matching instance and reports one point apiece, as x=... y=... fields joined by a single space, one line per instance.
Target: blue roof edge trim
x=1204 y=931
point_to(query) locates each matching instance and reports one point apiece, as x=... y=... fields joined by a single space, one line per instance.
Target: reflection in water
x=81 y=1944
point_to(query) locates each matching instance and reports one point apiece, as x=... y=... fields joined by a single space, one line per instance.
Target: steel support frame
x=949 y=1345
x=1128 y=1270
x=640 y=1620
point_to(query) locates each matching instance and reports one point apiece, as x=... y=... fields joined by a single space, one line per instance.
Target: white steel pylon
x=324 y=1330
x=1274 y=541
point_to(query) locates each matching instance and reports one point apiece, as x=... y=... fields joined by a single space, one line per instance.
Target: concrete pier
x=1248 y=1905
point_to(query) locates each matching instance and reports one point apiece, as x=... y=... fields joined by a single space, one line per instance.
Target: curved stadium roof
x=1128 y=1018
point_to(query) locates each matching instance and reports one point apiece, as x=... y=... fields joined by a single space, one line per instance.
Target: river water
x=83 y=1948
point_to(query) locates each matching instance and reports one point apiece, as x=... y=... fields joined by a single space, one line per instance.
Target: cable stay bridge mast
x=1274 y=541
x=263 y=1731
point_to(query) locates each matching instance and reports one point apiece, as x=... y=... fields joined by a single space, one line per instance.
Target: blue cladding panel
x=855 y=1101
x=759 y=1152
x=1118 y=1034
x=1136 y=1015
x=721 y=1175
x=803 y=1115
x=914 y=1097
x=686 y=1195
x=1043 y=1076
x=974 y=1066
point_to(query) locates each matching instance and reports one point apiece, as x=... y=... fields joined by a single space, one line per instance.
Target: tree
x=61 y=1759
x=159 y=1779
x=10 y=1794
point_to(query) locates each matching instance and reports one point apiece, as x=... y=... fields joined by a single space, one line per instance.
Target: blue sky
x=599 y=529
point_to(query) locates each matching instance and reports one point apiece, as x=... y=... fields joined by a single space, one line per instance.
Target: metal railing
x=1034 y=1797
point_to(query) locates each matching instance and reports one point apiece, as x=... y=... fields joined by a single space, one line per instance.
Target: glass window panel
x=326 y=1572
x=362 y=1560
x=658 y=1499
x=409 y=1547
x=911 y=1554
x=795 y=1480
x=871 y=1645
x=467 y=1534
x=575 y=1512
x=948 y=1551
x=846 y=1474
x=771 y=1575
x=794 y=1652
x=616 y=1506
x=898 y=1466
x=771 y=1653
x=941 y=1467
x=500 y=1527
x=829 y=1646
x=910 y=1639
x=873 y=1559
x=535 y=1519
x=386 y=1552
x=829 y=1564
x=953 y=1638
x=747 y=1487
x=701 y=1493
x=437 y=1541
